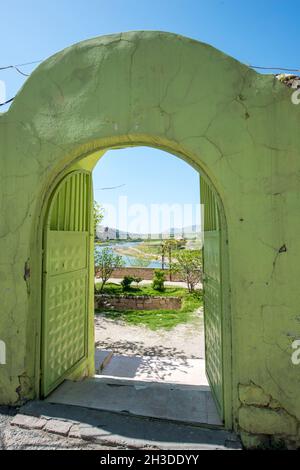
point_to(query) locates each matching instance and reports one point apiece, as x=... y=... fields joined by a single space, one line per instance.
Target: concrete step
x=189 y=404
x=102 y=359
x=121 y=430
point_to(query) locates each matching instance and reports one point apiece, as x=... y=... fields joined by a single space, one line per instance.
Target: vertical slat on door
x=212 y=295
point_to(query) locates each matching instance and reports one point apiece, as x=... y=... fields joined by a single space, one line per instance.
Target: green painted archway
x=240 y=128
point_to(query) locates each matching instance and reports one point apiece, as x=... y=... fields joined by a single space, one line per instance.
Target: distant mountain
x=109 y=233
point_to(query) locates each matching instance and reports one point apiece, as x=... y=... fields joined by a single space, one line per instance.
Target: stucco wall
x=162 y=90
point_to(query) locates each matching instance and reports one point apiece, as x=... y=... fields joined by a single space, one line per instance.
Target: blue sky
x=256 y=32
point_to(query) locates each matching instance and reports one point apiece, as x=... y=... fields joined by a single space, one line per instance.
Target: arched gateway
x=240 y=130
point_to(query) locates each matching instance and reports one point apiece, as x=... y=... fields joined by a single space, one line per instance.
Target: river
x=129 y=260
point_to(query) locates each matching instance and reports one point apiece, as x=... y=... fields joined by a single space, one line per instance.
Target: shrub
x=159 y=280
x=126 y=282
x=137 y=280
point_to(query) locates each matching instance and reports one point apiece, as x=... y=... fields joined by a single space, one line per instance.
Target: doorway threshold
x=190 y=404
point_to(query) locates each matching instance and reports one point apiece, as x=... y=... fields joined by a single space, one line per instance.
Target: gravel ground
x=15 y=438
x=185 y=341
x=122 y=431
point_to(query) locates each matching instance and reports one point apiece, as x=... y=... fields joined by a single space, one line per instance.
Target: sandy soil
x=184 y=341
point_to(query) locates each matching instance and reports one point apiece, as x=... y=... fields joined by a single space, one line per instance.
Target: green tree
x=98 y=216
x=158 y=282
x=105 y=262
x=189 y=266
x=163 y=255
x=169 y=246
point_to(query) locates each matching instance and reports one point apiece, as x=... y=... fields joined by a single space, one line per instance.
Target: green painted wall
x=240 y=128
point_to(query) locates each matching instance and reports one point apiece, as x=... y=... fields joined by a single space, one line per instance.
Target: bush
x=126 y=283
x=158 y=280
x=189 y=266
x=137 y=280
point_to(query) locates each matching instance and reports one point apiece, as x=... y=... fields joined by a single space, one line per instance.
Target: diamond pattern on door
x=67 y=251
x=65 y=325
x=213 y=335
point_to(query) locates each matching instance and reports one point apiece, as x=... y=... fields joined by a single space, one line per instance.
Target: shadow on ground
x=135 y=432
x=138 y=348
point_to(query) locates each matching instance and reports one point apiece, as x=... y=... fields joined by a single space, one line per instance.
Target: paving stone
x=56 y=426
x=28 y=422
x=75 y=431
x=90 y=433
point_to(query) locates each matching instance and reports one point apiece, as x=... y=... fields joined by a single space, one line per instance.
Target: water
x=129 y=260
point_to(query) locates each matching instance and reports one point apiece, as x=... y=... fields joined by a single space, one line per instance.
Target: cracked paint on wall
x=163 y=90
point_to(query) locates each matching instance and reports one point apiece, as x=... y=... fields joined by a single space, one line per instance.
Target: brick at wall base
x=126 y=302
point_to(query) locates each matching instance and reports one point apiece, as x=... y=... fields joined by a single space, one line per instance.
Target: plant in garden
x=161 y=319
x=189 y=266
x=126 y=282
x=137 y=280
x=158 y=282
x=105 y=262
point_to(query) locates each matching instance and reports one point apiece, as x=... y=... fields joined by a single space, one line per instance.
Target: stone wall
x=263 y=422
x=143 y=302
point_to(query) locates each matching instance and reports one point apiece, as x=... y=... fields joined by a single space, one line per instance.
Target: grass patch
x=149 y=248
x=160 y=319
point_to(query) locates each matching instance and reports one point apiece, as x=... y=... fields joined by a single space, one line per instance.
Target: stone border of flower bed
x=137 y=302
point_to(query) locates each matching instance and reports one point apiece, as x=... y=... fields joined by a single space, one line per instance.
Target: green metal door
x=65 y=280
x=212 y=295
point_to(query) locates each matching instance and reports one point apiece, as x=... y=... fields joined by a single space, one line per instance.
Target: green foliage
x=116 y=289
x=168 y=247
x=161 y=319
x=158 y=280
x=137 y=261
x=189 y=266
x=105 y=262
x=126 y=282
x=137 y=280
x=98 y=215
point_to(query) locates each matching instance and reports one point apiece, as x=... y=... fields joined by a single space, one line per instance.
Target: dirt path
x=185 y=341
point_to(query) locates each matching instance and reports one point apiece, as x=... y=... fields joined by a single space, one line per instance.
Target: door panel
x=65 y=274
x=212 y=295
x=67 y=251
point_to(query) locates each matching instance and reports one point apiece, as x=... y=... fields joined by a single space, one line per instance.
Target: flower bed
x=143 y=302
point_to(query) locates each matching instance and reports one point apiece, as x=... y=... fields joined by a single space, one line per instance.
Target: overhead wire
x=17 y=68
